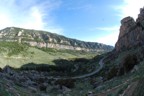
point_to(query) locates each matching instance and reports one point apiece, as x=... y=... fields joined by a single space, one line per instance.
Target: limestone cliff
x=49 y=40
x=131 y=32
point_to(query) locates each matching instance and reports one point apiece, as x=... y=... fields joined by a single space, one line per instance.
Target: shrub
x=139 y=89
x=112 y=73
x=70 y=83
x=13 y=48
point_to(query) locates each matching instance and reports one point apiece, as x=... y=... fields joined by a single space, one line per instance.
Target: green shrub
x=70 y=83
x=13 y=48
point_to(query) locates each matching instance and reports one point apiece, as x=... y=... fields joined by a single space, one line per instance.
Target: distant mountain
x=49 y=40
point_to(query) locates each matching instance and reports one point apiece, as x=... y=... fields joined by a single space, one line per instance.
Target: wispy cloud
x=86 y=7
x=108 y=29
x=129 y=8
x=32 y=14
x=110 y=38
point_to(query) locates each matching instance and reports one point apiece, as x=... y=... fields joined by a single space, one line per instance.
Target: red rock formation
x=131 y=32
x=127 y=23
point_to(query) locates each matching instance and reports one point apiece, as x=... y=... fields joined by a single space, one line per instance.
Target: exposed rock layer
x=49 y=40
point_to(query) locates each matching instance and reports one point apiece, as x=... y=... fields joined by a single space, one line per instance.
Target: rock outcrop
x=131 y=32
x=35 y=81
x=129 y=49
x=49 y=40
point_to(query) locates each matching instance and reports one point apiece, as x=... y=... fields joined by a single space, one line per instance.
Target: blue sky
x=88 y=20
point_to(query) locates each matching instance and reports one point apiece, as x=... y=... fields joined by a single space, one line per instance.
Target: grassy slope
x=113 y=87
x=120 y=84
x=10 y=56
x=38 y=56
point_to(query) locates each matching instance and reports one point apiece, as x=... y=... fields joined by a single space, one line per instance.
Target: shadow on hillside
x=61 y=66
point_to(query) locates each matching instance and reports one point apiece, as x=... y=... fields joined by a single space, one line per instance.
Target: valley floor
x=13 y=84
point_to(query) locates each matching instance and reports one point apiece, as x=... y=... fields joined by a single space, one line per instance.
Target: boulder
x=8 y=69
x=33 y=90
x=65 y=89
x=136 y=68
x=90 y=93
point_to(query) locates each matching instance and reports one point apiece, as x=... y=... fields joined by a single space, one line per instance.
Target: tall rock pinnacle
x=131 y=32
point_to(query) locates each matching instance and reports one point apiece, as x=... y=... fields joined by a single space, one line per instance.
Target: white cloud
x=31 y=14
x=130 y=8
x=111 y=38
x=34 y=20
x=108 y=29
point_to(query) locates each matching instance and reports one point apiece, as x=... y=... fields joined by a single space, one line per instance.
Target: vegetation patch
x=13 y=48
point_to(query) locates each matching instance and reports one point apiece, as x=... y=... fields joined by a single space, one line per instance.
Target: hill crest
x=49 y=40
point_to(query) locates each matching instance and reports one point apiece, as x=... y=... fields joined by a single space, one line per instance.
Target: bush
x=13 y=48
x=112 y=73
x=70 y=83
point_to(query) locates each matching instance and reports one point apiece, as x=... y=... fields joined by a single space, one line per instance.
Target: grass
x=82 y=87
x=118 y=91
x=124 y=80
x=8 y=89
x=17 y=55
x=3 y=90
x=139 y=89
x=13 y=48
x=63 y=67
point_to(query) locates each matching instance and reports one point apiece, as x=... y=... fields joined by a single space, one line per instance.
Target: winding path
x=85 y=75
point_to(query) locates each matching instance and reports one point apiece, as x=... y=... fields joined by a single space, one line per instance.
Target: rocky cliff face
x=131 y=32
x=49 y=40
x=129 y=49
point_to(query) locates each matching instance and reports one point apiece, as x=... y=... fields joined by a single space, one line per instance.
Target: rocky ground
x=39 y=83
x=35 y=82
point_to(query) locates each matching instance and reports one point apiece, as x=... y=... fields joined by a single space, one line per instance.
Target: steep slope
x=129 y=49
x=124 y=66
x=131 y=32
x=49 y=40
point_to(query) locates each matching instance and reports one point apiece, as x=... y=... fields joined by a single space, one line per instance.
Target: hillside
x=49 y=40
x=119 y=72
x=32 y=56
x=23 y=46
x=124 y=66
